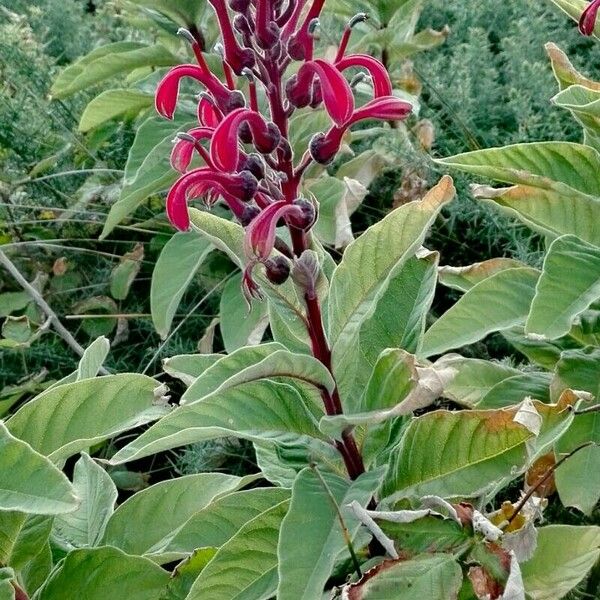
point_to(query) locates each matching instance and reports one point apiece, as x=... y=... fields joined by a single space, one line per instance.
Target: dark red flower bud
x=587 y=21
x=267 y=142
x=248 y=187
x=269 y=36
x=245 y=133
x=299 y=96
x=240 y=6
x=307 y=217
x=255 y=164
x=240 y=23
x=250 y=213
x=323 y=148
x=277 y=270
x=236 y=100
x=317 y=95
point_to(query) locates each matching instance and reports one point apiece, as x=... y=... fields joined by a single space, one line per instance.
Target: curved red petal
x=183 y=150
x=381 y=80
x=388 y=108
x=587 y=21
x=207 y=114
x=337 y=95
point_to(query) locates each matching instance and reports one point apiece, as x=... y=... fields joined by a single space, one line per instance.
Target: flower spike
x=587 y=22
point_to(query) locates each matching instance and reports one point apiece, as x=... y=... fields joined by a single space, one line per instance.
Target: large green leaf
x=239 y=326
x=274 y=364
x=513 y=390
x=305 y=568
x=223 y=518
x=452 y=454
x=98 y=493
x=398 y=322
x=135 y=527
x=29 y=482
x=175 y=269
x=437 y=577
x=496 y=303
x=245 y=567
x=148 y=170
x=108 y=61
x=371 y=261
x=66 y=419
x=256 y=411
x=22 y=537
x=111 y=104
x=464 y=278
x=569 y=283
x=186 y=13
x=188 y=367
x=101 y=573
x=563 y=557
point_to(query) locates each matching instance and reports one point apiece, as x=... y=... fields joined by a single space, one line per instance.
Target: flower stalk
x=248 y=162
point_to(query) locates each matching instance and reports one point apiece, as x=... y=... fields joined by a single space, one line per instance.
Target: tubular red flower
x=292 y=22
x=167 y=92
x=587 y=22
x=337 y=94
x=203 y=181
x=260 y=234
x=183 y=150
x=300 y=46
x=381 y=80
x=237 y=57
x=388 y=108
x=208 y=115
x=267 y=31
x=224 y=149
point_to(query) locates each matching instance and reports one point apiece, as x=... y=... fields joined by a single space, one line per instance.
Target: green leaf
x=148 y=170
x=111 y=104
x=305 y=567
x=135 y=527
x=563 y=557
x=475 y=378
x=453 y=454
x=22 y=537
x=85 y=526
x=464 y=278
x=225 y=235
x=93 y=358
x=108 y=61
x=13 y=301
x=184 y=12
x=175 y=269
x=240 y=327
x=66 y=419
x=437 y=577
x=566 y=74
x=372 y=260
x=254 y=411
x=124 y=274
x=186 y=573
x=214 y=525
x=569 y=283
x=275 y=364
x=246 y=566
x=37 y=570
x=29 y=482
x=513 y=390
x=398 y=322
x=101 y=573
x=584 y=105
x=188 y=367
x=496 y=303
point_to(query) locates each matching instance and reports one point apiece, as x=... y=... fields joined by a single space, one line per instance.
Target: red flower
x=183 y=150
x=587 y=22
x=381 y=80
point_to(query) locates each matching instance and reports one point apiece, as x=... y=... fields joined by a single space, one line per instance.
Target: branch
x=60 y=329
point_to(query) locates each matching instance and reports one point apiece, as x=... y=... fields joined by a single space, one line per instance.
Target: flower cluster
x=242 y=137
x=587 y=22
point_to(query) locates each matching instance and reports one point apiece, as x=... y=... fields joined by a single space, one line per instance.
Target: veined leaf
x=437 y=577
x=584 y=105
x=108 y=61
x=305 y=568
x=175 y=269
x=183 y=12
x=372 y=260
x=569 y=283
x=513 y=390
x=563 y=556
x=93 y=358
x=255 y=411
x=66 y=419
x=566 y=74
x=101 y=573
x=240 y=327
x=464 y=278
x=175 y=500
x=188 y=367
x=111 y=104
x=246 y=566
x=273 y=364
x=98 y=493
x=214 y=525
x=29 y=482
x=496 y=303
x=453 y=454
x=22 y=537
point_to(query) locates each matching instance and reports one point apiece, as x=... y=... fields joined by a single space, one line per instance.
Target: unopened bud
x=306 y=217
x=240 y=6
x=268 y=142
x=360 y=17
x=256 y=165
x=248 y=187
x=236 y=100
x=249 y=214
x=322 y=150
x=277 y=270
x=187 y=35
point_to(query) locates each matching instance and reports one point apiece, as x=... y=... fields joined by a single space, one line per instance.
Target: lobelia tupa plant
x=382 y=472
